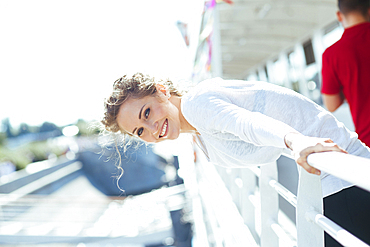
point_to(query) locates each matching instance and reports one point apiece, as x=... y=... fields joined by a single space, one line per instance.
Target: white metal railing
x=39 y=183
x=77 y=213
x=257 y=203
x=336 y=164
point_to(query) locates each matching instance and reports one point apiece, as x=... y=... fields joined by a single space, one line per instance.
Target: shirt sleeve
x=215 y=113
x=330 y=81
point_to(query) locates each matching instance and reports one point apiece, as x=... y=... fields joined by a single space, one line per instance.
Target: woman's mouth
x=164 y=129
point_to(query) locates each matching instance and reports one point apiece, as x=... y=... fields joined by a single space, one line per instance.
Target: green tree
x=2 y=138
x=7 y=127
x=24 y=129
x=86 y=128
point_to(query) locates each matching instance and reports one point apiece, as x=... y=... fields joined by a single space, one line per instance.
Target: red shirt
x=346 y=67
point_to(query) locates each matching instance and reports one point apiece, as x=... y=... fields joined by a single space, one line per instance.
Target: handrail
x=309 y=208
x=284 y=192
x=337 y=232
x=254 y=192
x=351 y=168
x=310 y=221
x=39 y=183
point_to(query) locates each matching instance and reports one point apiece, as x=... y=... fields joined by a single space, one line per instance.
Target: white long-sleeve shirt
x=244 y=123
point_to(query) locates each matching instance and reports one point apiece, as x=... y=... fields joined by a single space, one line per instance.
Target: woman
x=238 y=123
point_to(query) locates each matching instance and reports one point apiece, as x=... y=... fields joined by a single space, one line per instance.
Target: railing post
x=235 y=187
x=309 y=198
x=247 y=207
x=269 y=205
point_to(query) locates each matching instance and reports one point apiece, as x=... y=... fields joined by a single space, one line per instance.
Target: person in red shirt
x=346 y=76
x=346 y=66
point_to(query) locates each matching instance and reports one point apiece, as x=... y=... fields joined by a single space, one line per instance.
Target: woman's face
x=152 y=118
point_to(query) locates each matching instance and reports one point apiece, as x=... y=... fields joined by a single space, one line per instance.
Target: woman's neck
x=185 y=126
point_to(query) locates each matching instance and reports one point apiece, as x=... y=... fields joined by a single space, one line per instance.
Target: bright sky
x=59 y=59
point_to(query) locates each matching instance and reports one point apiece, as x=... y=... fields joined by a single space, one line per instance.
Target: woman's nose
x=153 y=127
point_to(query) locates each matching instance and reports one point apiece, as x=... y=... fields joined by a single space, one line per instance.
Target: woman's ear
x=163 y=89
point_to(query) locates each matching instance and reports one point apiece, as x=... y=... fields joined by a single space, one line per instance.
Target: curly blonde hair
x=138 y=86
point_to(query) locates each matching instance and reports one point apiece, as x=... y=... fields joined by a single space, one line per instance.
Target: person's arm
x=219 y=114
x=302 y=146
x=331 y=87
x=333 y=101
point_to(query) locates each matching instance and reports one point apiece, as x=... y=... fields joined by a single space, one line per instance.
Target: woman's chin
x=171 y=136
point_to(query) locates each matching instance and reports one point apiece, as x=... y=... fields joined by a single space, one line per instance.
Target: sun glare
x=59 y=59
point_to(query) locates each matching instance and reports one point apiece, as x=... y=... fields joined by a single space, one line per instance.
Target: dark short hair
x=348 y=6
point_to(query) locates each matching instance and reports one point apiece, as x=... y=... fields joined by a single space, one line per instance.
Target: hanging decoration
x=183 y=28
x=203 y=59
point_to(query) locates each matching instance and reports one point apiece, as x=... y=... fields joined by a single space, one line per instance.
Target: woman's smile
x=164 y=129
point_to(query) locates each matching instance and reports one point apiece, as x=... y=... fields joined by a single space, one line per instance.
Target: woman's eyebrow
x=141 y=111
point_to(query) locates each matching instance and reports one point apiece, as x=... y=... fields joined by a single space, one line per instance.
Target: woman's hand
x=302 y=146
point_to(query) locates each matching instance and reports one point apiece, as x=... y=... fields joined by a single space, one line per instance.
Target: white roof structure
x=253 y=31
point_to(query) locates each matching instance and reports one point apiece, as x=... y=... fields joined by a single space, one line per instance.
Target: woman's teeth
x=164 y=129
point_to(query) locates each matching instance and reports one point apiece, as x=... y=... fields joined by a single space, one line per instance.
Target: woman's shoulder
x=196 y=103
x=205 y=87
x=218 y=86
x=218 y=81
x=209 y=84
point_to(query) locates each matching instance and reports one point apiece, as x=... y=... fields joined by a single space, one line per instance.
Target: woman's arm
x=302 y=146
x=216 y=113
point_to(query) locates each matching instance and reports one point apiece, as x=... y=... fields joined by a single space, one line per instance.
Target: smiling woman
x=237 y=124
x=153 y=119
x=144 y=107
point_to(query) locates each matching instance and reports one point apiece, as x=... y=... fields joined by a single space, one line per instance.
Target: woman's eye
x=140 y=131
x=147 y=111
